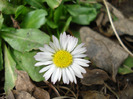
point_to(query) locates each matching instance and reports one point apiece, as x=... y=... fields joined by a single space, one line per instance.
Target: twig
x=15 y=23
x=111 y=90
x=63 y=97
x=70 y=32
x=51 y=86
x=77 y=87
x=68 y=90
x=110 y=18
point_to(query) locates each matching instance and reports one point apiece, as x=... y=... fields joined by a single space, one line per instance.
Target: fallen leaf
x=115 y=11
x=120 y=23
x=10 y=96
x=128 y=41
x=103 y=23
x=23 y=95
x=40 y=93
x=93 y=95
x=95 y=76
x=126 y=7
x=126 y=93
x=122 y=28
x=105 y=53
x=24 y=83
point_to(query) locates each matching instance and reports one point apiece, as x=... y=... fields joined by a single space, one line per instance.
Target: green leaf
x=25 y=39
x=6 y=7
x=17 y=2
x=58 y=13
x=1 y=56
x=34 y=19
x=21 y=10
x=36 y=3
x=91 y=5
x=66 y=24
x=1 y=20
x=8 y=29
x=51 y=24
x=10 y=75
x=81 y=14
x=53 y=3
x=127 y=66
x=26 y=61
x=75 y=32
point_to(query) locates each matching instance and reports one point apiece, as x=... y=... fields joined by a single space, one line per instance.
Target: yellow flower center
x=62 y=59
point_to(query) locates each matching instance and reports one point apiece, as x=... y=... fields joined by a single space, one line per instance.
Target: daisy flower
x=62 y=58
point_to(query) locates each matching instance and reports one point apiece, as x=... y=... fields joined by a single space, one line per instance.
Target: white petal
x=72 y=43
x=82 y=70
x=44 y=69
x=64 y=45
x=43 y=63
x=53 y=46
x=42 y=48
x=48 y=48
x=65 y=79
x=69 y=75
x=69 y=42
x=79 y=55
x=43 y=55
x=76 y=71
x=79 y=46
x=56 y=42
x=55 y=75
x=81 y=63
x=82 y=60
x=63 y=35
x=63 y=41
x=49 y=72
x=42 y=58
x=73 y=75
x=60 y=73
x=78 y=51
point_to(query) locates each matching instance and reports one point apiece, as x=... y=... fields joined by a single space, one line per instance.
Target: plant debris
x=105 y=53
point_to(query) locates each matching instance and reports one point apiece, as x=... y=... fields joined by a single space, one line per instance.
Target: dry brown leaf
x=40 y=93
x=95 y=76
x=23 y=95
x=24 y=83
x=105 y=53
x=126 y=7
x=123 y=26
x=10 y=96
x=115 y=11
x=126 y=93
x=93 y=95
